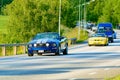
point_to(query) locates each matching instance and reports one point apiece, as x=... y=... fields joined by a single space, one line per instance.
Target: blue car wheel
x=58 y=51
x=30 y=54
x=39 y=54
x=65 y=52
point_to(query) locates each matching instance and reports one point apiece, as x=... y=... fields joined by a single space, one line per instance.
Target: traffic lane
x=109 y=53
x=75 y=65
x=83 y=72
x=85 y=48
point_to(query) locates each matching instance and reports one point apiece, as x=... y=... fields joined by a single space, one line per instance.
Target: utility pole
x=59 y=17
x=85 y=11
x=85 y=22
x=79 y=20
x=81 y=14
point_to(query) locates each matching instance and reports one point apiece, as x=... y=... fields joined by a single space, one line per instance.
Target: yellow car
x=98 y=39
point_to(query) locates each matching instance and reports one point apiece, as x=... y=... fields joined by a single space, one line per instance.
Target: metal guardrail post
x=24 y=49
x=15 y=50
x=73 y=40
x=3 y=50
x=14 y=46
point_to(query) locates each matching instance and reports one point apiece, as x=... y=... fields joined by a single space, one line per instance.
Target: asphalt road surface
x=82 y=63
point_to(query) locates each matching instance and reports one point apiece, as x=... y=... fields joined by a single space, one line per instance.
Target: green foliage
x=110 y=14
x=107 y=13
x=3 y=28
x=95 y=10
x=3 y=3
x=73 y=33
x=28 y=17
x=104 y=11
x=3 y=23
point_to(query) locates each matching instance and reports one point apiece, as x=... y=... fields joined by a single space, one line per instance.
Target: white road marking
x=92 y=73
x=107 y=69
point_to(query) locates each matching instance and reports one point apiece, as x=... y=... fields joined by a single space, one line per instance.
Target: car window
x=98 y=35
x=101 y=30
x=46 y=35
x=105 y=29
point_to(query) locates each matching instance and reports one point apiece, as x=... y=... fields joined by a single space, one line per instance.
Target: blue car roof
x=105 y=24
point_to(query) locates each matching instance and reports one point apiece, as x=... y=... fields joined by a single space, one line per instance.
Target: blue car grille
x=41 y=45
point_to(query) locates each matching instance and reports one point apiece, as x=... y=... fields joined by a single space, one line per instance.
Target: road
x=82 y=63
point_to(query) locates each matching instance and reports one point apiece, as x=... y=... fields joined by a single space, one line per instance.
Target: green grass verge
x=74 y=33
x=114 y=78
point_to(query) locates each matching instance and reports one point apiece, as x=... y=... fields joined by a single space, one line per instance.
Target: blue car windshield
x=47 y=35
x=104 y=29
x=98 y=35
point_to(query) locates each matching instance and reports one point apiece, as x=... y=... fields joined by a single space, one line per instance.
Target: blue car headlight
x=35 y=45
x=47 y=44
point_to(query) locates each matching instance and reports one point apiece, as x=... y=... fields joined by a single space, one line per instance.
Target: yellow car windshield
x=98 y=35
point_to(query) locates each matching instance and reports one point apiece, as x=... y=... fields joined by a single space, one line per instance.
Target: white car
x=94 y=28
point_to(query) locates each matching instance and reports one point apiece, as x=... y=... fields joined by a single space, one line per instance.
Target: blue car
x=48 y=42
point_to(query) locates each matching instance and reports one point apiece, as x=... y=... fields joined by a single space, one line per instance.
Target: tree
x=95 y=10
x=28 y=17
x=111 y=14
x=104 y=11
x=3 y=3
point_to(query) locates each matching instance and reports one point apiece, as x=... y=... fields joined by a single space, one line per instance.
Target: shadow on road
x=18 y=68
x=24 y=72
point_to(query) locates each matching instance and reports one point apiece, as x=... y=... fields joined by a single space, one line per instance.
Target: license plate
x=40 y=51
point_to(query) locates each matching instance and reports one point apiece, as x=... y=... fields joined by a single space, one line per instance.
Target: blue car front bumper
x=32 y=50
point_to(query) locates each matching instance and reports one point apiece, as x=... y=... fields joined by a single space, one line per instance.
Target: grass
x=73 y=33
x=3 y=23
x=114 y=78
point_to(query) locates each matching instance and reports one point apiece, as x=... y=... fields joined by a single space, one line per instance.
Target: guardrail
x=24 y=46
x=72 y=40
x=14 y=46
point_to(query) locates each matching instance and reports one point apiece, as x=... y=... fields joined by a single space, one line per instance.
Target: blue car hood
x=46 y=40
x=108 y=33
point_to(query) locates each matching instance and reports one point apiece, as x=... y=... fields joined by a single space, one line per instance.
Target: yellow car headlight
x=91 y=39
